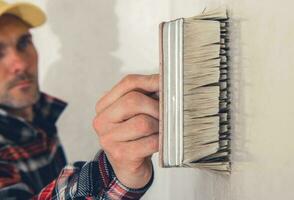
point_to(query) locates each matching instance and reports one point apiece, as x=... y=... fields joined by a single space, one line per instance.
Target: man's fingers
x=133 y=129
x=133 y=150
x=143 y=147
x=147 y=83
x=133 y=103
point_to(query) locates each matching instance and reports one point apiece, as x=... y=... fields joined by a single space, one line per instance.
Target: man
x=32 y=162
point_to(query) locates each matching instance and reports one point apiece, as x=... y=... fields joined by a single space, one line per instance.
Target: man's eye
x=24 y=43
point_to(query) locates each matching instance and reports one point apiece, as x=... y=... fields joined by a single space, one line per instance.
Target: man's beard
x=29 y=95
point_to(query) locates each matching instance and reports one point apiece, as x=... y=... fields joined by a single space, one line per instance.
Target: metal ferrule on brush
x=172 y=66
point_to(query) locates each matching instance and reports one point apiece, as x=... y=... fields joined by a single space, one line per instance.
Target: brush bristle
x=206 y=99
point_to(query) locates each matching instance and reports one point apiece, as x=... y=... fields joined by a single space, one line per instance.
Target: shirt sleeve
x=82 y=180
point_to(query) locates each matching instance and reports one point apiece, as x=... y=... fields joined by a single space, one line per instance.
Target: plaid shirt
x=32 y=162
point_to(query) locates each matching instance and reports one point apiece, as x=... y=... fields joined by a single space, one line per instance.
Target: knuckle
x=143 y=123
x=107 y=140
x=129 y=80
x=98 y=105
x=133 y=98
x=153 y=142
x=96 y=123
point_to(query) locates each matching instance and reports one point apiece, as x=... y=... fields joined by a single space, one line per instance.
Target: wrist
x=110 y=181
x=135 y=179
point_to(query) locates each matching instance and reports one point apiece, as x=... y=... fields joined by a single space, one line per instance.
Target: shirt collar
x=48 y=109
x=46 y=112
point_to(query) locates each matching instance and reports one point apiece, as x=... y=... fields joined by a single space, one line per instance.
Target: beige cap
x=29 y=13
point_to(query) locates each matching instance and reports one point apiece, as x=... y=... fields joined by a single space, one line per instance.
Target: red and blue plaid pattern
x=33 y=164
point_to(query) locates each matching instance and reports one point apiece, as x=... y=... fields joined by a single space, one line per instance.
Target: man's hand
x=127 y=125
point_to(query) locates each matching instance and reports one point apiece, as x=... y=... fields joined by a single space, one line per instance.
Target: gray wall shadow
x=88 y=34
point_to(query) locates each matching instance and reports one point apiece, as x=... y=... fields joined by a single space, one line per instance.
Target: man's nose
x=17 y=62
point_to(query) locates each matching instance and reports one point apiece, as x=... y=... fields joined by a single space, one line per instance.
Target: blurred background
x=87 y=46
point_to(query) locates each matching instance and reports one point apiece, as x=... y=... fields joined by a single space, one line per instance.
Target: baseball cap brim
x=29 y=13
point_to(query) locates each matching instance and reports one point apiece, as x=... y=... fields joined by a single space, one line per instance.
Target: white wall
x=87 y=46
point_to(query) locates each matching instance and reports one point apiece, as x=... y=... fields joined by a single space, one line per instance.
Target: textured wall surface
x=87 y=46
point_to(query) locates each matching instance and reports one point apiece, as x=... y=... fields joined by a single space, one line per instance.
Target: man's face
x=18 y=64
